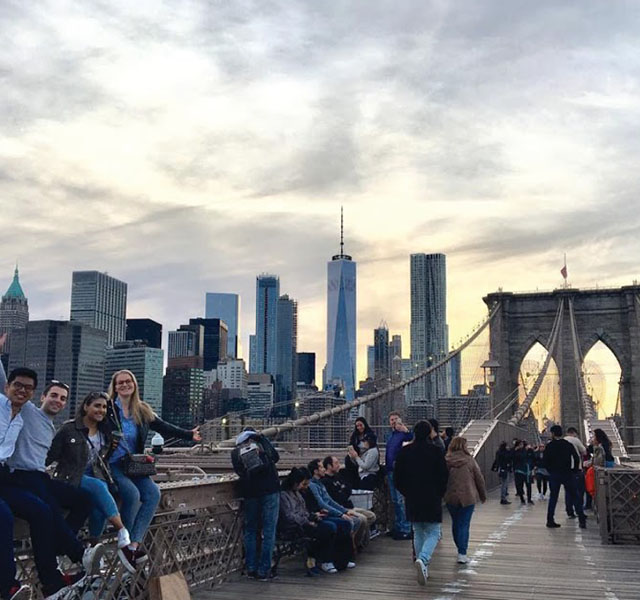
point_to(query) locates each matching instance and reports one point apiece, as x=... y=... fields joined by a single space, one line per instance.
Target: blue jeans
x=504 y=486
x=140 y=497
x=425 y=539
x=104 y=506
x=460 y=523
x=264 y=508
x=400 y=524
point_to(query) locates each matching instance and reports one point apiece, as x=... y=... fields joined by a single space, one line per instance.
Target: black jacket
x=420 y=474
x=265 y=480
x=69 y=449
x=503 y=462
x=156 y=424
x=338 y=490
x=560 y=457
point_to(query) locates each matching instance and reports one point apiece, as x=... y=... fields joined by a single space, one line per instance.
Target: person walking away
x=368 y=463
x=448 y=436
x=398 y=436
x=560 y=459
x=80 y=451
x=129 y=419
x=465 y=488
x=254 y=461
x=572 y=437
x=421 y=477
x=503 y=465
x=541 y=474
x=522 y=469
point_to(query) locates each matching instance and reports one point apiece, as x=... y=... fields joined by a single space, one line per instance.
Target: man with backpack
x=254 y=460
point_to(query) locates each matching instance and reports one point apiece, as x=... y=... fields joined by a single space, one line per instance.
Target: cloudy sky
x=185 y=147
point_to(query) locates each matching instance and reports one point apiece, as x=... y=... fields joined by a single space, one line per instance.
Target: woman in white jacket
x=368 y=463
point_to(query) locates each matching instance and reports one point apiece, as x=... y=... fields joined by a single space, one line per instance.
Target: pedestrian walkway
x=513 y=555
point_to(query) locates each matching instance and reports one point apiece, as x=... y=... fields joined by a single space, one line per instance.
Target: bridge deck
x=513 y=556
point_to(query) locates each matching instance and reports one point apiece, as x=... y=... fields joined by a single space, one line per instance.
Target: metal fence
x=617 y=504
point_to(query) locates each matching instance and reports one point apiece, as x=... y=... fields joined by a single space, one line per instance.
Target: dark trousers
x=578 y=477
x=521 y=481
x=557 y=480
x=343 y=546
x=7 y=559
x=323 y=535
x=541 y=483
x=58 y=495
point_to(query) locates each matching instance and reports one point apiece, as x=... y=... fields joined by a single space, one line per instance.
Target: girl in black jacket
x=81 y=450
x=129 y=420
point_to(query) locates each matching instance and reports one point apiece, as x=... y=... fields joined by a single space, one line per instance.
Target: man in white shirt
x=572 y=437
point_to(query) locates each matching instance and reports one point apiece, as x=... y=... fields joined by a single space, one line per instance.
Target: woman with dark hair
x=81 y=449
x=368 y=462
x=360 y=430
x=602 y=456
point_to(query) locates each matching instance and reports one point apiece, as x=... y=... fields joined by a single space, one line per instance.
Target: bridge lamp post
x=490 y=368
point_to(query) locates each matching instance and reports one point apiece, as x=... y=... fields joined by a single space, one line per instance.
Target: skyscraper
x=186 y=346
x=382 y=364
x=267 y=294
x=67 y=351
x=145 y=330
x=253 y=356
x=286 y=350
x=145 y=362
x=341 y=321
x=395 y=348
x=101 y=302
x=14 y=312
x=215 y=341
x=429 y=323
x=307 y=367
x=226 y=307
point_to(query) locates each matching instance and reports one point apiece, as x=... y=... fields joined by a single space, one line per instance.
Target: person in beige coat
x=465 y=488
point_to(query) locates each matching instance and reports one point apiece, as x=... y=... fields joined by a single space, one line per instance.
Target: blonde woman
x=130 y=420
x=465 y=488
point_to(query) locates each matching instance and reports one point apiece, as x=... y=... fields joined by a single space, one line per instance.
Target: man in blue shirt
x=398 y=437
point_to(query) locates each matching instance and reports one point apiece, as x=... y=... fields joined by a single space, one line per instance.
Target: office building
x=232 y=374
x=267 y=294
x=341 y=322
x=226 y=307
x=455 y=368
x=147 y=331
x=14 y=314
x=395 y=347
x=71 y=352
x=100 y=301
x=182 y=395
x=187 y=342
x=260 y=392
x=371 y=362
x=429 y=341
x=215 y=341
x=286 y=356
x=306 y=368
x=253 y=357
x=382 y=365
x=145 y=362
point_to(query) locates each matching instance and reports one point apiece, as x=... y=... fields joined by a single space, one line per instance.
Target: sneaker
x=571 y=516
x=91 y=559
x=552 y=524
x=401 y=536
x=252 y=575
x=582 y=523
x=351 y=565
x=328 y=567
x=268 y=577
x=19 y=592
x=530 y=502
x=422 y=572
x=504 y=501
x=67 y=583
x=123 y=538
x=462 y=559
x=141 y=556
x=127 y=558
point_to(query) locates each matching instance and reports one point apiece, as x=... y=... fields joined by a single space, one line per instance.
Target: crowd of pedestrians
x=88 y=458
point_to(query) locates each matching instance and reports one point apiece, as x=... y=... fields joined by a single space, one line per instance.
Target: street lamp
x=490 y=368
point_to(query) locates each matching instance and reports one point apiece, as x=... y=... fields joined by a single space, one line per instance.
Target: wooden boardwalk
x=513 y=556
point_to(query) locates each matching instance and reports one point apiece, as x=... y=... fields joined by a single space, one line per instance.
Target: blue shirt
x=130 y=431
x=394 y=445
x=34 y=440
x=10 y=427
x=324 y=500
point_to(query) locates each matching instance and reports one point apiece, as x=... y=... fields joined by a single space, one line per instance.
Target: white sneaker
x=422 y=572
x=123 y=538
x=91 y=559
x=462 y=559
x=328 y=567
x=351 y=565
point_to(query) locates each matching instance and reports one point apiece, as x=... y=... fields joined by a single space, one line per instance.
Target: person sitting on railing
x=254 y=461
x=81 y=450
x=341 y=492
x=503 y=465
x=343 y=547
x=295 y=522
x=368 y=462
x=129 y=420
x=360 y=430
x=602 y=456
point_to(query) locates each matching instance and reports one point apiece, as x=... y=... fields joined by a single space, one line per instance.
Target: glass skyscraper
x=341 y=323
x=267 y=294
x=286 y=363
x=226 y=307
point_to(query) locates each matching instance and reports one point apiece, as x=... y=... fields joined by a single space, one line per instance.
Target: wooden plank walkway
x=513 y=555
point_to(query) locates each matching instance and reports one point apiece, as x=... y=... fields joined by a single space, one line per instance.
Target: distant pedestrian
x=541 y=474
x=421 y=477
x=465 y=488
x=434 y=436
x=447 y=437
x=578 y=474
x=523 y=470
x=503 y=465
x=561 y=460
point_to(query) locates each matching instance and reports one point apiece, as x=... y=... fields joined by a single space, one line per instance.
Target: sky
x=186 y=147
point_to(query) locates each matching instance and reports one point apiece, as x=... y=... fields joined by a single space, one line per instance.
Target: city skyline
x=130 y=137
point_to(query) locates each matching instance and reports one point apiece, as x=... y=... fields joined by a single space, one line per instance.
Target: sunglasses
x=59 y=384
x=96 y=395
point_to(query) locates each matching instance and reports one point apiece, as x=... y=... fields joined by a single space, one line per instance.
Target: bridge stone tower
x=609 y=315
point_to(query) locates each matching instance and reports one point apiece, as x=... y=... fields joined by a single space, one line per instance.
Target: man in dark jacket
x=561 y=460
x=254 y=460
x=421 y=477
x=399 y=435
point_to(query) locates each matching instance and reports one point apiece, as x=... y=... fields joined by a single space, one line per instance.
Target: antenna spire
x=341 y=231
